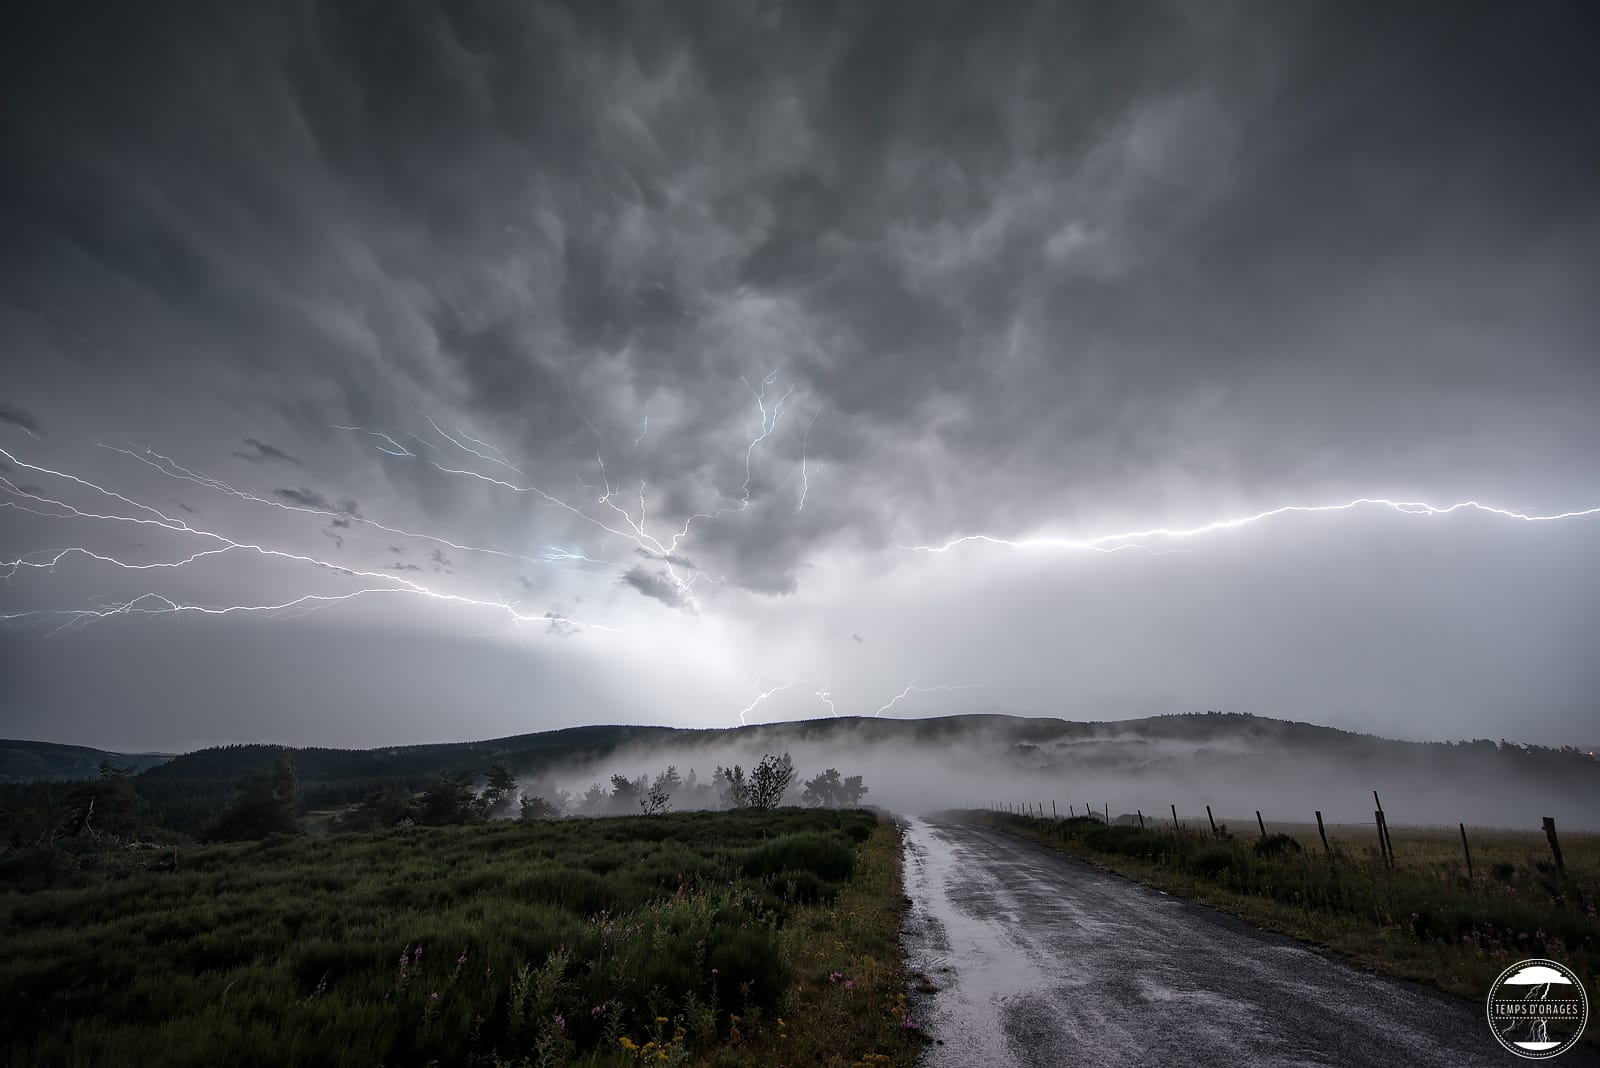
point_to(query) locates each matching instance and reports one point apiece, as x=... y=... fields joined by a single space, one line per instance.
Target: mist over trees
x=829 y=790
x=499 y=793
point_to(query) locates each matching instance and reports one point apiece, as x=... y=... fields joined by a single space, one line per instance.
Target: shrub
x=1277 y=845
x=823 y=855
x=1213 y=860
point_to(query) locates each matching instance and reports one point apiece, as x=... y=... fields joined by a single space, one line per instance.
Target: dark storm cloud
x=857 y=638
x=654 y=585
x=17 y=417
x=398 y=566
x=305 y=498
x=1034 y=258
x=256 y=451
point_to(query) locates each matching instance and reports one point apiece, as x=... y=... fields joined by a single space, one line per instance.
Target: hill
x=1235 y=763
x=24 y=761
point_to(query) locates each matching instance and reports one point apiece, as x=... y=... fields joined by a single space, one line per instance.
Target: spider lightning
x=157 y=604
x=616 y=519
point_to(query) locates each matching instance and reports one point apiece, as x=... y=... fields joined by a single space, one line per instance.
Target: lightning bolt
x=1113 y=542
x=917 y=689
x=805 y=479
x=497 y=458
x=762 y=695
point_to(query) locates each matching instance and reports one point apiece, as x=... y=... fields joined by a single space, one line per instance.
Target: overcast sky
x=670 y=332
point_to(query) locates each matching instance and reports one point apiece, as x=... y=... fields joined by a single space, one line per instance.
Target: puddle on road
x=996 y=975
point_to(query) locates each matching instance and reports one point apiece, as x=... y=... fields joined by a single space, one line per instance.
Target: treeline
x=271 y=799
x=457 y=798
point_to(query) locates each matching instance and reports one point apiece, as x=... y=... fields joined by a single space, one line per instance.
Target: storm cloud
x=599 y=299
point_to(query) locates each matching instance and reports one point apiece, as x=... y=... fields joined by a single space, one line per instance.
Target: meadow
x=1425 y=918
x=748 y=937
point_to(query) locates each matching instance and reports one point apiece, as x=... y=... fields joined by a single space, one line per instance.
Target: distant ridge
x=1234 y=762
x=25 y=761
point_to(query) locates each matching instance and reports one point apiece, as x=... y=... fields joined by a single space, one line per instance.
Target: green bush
x=823 y=855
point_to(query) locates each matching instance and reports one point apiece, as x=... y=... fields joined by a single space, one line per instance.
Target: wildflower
x=661 y=1019
x=834 y=977
x=561 y=1021
x=849 y=984
x=433 y=996
x=713 y=973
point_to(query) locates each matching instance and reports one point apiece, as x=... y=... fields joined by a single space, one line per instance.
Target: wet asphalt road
x=1042 y=960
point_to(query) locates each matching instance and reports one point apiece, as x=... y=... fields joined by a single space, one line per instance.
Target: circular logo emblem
x=1538 y=1009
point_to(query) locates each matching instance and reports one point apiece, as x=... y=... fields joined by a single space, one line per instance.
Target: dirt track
x=1042 y=960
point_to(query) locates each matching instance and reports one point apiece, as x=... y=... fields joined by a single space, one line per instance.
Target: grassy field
x=737 y=938
x=1426 y=919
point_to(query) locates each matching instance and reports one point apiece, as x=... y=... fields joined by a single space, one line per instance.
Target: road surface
x=1042 y=960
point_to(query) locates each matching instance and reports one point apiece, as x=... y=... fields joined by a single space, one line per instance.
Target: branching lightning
x=614 y=519
x=157 y=604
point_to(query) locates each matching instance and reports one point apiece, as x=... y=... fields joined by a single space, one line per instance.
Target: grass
x=1425 y=920
x=687 y=938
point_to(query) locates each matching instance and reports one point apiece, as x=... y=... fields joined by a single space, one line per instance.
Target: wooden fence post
x=1260 y=824
x=1053 y=813
x=1383 y=851
x=1555 y=845
x=1466 y=850
x=1141 y=819
x=1211 y=821
x=1176 y=827
x=1324 y=835
x=1388 y=843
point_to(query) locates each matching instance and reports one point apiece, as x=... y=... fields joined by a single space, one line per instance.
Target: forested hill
x=24 y=761
x=1209 y=757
